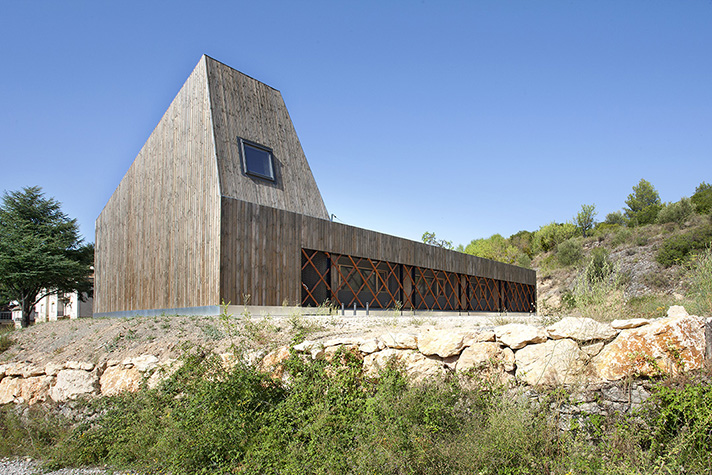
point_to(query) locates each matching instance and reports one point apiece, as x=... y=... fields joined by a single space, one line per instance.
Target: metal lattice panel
x=364 y=282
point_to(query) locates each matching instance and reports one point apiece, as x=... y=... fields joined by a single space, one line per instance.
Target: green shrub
x=201 y=420
x=6 y=341
x=615 y=218
x=682 y=428
x=677 y=249
x=621 y=236
x=494 y=247
x=677 y=212
x=552 y=234
x=596 y=293
x=569 y=252
x=702 y=199
x=523 y=241
x=643 y=204
x=523 y=260
x=30 y=431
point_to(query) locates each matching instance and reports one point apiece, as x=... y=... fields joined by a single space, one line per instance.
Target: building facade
x=220 y=203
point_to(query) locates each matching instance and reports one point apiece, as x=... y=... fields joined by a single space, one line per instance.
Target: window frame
x=248 y=143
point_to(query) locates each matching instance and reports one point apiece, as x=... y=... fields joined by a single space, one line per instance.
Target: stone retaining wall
x=604 y=362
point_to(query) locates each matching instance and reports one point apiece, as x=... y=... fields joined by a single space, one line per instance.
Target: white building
x=56 y=307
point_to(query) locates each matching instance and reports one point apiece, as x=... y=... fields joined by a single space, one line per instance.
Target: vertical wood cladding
x=187 y=228
x=158 y=236
x=262 y=257
x=246 y=108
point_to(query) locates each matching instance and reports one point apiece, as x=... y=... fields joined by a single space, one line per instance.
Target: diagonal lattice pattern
x=361 y=281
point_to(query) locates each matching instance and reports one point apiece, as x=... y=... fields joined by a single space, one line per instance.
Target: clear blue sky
x=466 y=118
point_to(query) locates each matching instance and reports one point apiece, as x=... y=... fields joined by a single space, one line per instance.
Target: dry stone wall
x=604 y=361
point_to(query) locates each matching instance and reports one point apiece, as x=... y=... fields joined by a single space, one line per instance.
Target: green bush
x=678 y=249
x=621 y=236
x=523 y=260
x=332 y=419
x=682 y=428
x=31 y=431
x=702 y=199
x=677 y=212
x=596 y=293
x=551 y=235
x=643 y=204
x=569 y=252
x=494 y=247
x=615 y=218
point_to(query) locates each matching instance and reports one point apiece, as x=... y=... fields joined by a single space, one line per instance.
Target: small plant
x=6 y=340
x=678 y=249
x=675 y=212
x=701 y=282
x=569 y=252
x=596 y=293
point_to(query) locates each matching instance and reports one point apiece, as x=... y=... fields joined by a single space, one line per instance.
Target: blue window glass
x=257 y=160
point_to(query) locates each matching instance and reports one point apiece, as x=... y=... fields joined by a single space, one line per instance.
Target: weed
x=701 y=282
x=596 y=293
x=6 y=341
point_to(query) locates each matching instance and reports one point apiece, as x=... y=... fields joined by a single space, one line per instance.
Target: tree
x=702 y=199
x=494 y=247
x=585 y=218
x=430 y=238
x=40 y=250
x=615 y=217
x=643 y=204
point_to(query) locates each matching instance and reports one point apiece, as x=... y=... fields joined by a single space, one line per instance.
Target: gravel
x=27 y=466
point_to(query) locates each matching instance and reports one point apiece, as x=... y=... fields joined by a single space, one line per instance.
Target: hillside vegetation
x=635 y=262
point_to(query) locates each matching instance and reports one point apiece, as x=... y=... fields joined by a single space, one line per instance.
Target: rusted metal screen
x=348 y=280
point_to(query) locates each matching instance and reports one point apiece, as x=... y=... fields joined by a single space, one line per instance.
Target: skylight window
x=257 y=160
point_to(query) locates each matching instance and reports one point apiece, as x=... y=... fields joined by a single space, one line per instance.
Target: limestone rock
x=509 y=359
x=145 y=363
x=35 y=389
x=417 y=366
x=344 y=340
x=593 y=349
x=273 y=362
x=51 y=369
x=677 y=311
x=552 y=363
x=72 y=383
x=83 y=365
x=444 y=343
x=117 y=379
x=401 y=341
x=142 y=363
x=304 y=346
x=486 y=357
x=669 y=345
x=10 y=388
x=165 y=370
x=252 y=358
x=580 y=329
x=371 y=346
x=481 y=336
x=317 y=352
x=518 y=335
x=25 y=370
x=630 y=323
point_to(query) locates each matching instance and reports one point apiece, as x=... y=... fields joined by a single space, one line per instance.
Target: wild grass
x=331 y=419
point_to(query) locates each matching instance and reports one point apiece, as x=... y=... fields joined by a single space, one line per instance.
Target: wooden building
x=221 y=203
